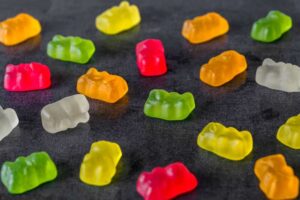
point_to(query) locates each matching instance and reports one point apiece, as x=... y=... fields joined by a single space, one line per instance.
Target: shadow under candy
x=229 y=87
x=217 y=43
x=30 y=45
x=28 y=98
x=109 y=111
x=118 y=42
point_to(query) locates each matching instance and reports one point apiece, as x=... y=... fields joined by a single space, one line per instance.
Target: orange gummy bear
x=223 y=68
x=18 y=29
x=277 y=179
x=102 y=86
x=204 y=28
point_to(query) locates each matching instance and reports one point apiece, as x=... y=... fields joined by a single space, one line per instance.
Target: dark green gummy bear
x=271 y=27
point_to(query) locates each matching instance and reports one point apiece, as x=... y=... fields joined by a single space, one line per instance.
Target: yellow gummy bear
x=99 y=165
x=225 y=142
x=289 y=133
x=118 y=18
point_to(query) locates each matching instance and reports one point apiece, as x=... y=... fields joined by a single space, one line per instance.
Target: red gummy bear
x=166 y=183
x=26 y=77
x=150 y=57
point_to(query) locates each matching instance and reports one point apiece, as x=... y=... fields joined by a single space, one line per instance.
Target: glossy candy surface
x=65 y=113
x=8 y=121
x=226 y=142
x=289 y=133
x=170 y=106
x=278 y=76
x=102 y=86
x=164 y=183
x=223 y=68
x=150 y=58
x=205 y=27
x=271 y=27
x=100 y=165
x=118 y=18
x=27 y=77
x=70 y=48
x=27 y=173
x=276 y=179
x=18 y=29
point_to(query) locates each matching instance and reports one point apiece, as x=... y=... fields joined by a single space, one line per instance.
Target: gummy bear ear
x=124 y=4
x=268 y=61
x=10 y=67
x=92 y=70
x=58 y=37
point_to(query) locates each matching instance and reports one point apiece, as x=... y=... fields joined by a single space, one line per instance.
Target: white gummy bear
x=65 y=113
x=278 y=76
x=8 y=121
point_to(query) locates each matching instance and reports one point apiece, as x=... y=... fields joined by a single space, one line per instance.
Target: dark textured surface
x=147 y=143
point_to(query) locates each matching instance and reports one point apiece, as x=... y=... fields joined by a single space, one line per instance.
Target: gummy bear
x=169 y=105
x=73 y=49
x=27 y=173
x=18 y=29
x=276 y=178
x=278 y=76
x=102 y=86
x=204 y=28
x=289 y=133
x=65 y=113
x=225 y=142
x=118 y=18
x=271 y=27
x=150 y=58
x=166 y=183
x=99 y=165
x=8 y=120
x=223 y=68
x=27 y=77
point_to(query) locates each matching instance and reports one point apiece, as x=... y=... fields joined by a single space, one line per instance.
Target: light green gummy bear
x=74 y=49
x=27 y=173
x=271 y=27
x=169 y=106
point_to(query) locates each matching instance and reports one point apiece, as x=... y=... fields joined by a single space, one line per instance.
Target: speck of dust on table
x=145 y=142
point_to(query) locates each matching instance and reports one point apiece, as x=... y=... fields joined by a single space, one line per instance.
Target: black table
x=146 y=142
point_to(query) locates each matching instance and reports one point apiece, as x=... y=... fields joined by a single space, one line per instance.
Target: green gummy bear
x=169 y=106
x=271 y=27
x=27 y=173
x=74 y=49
